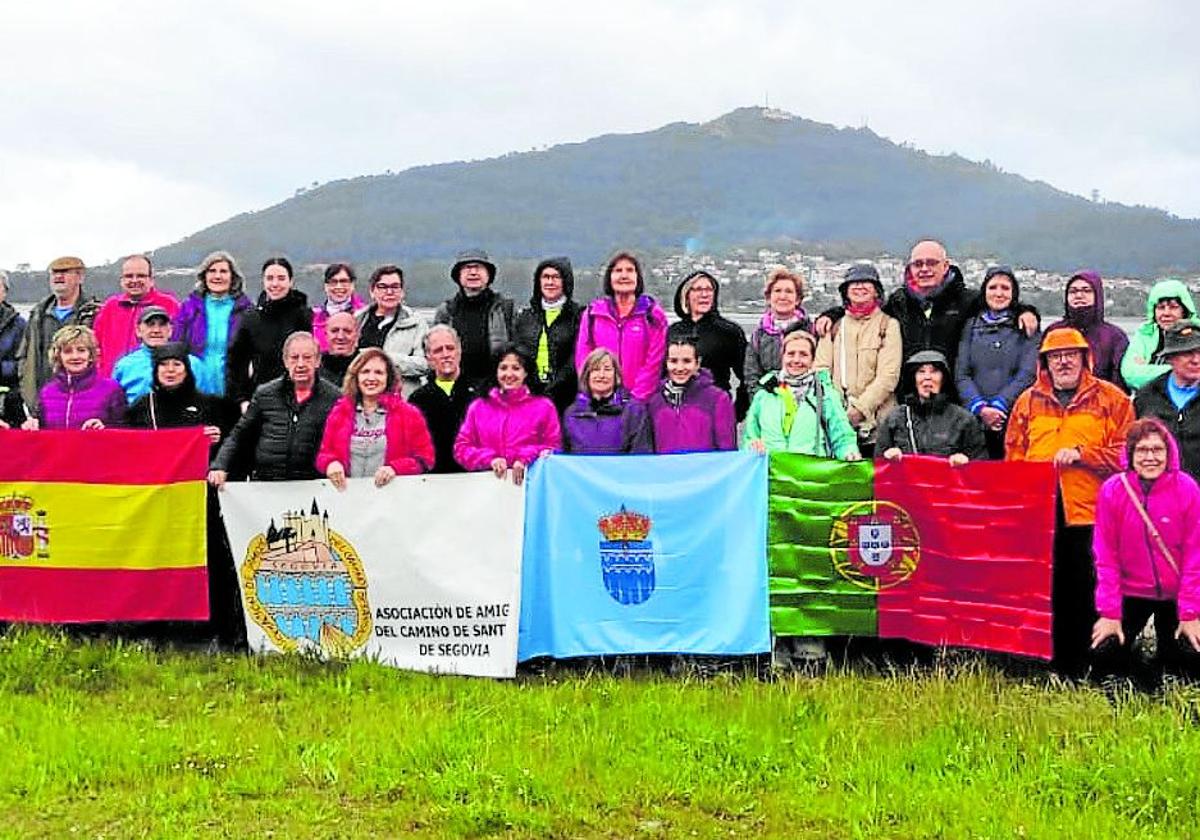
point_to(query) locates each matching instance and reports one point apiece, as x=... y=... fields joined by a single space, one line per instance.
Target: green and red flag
x=914 y=549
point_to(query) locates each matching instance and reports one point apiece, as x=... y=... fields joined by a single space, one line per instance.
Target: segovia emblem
x=626 y=556
x=24 y=531
x=305 y=586
x=875 y=545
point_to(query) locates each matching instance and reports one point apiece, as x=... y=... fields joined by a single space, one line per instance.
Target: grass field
x=117 y=740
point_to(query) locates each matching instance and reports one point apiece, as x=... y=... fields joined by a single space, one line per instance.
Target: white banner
x=423 y=574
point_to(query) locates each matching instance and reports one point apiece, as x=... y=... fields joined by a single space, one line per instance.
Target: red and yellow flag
x=102 y=526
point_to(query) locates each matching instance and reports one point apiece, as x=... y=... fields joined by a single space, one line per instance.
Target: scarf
x=558 y=304
x=862 y=310
x=332 y=308
x=673 y=393
x=990 y=317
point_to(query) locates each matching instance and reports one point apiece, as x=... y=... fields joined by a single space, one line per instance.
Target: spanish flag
x=102 y=526
x=914 y=549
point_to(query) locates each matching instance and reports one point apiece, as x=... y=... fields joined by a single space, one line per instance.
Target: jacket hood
x=685 y=286
x=1169 y=287
x=1174 y=461
x=294 y=299
x=1087 y=317
x=172 y=350
x=1012 y=277
x=926 y=357
x=563 y=264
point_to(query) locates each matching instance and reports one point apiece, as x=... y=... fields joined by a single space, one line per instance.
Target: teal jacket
x=826 y=433
x=1136 y=366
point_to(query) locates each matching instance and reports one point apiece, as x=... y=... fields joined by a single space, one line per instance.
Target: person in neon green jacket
x=1169 y=302
x=798 y=409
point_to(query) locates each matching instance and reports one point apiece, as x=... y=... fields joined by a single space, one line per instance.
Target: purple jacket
x=1128 y=561
x=67 y=401
x=513 y=425
x=618 y=426
x=639 y=340
x=1108 y=342
x=191 y=324
x=703 y=422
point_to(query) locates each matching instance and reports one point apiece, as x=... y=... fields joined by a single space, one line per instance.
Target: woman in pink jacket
x=1147 y=549
x=372 y=432
x=630 y=324
x=510 y=427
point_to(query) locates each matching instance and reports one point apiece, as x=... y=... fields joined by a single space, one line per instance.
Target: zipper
x=1150 y=548
x=70 y=402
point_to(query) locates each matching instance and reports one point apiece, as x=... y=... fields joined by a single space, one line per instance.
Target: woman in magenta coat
x=1143 y=571
x=371 y=432
x=630 y=324
x=77 y=396
x=689 y=413
x=510 y=427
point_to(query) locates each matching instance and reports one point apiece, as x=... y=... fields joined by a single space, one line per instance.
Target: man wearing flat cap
x=482 y=317
x=65 y=307
x=1171 y=396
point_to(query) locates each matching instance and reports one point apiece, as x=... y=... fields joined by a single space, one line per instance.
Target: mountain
x=752 y=175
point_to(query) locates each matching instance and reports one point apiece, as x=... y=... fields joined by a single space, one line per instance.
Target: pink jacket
x=638 y=340
x=1128 y=561
x=409 y=446
x=116 y=324
x=513 y=425
x=321 y=318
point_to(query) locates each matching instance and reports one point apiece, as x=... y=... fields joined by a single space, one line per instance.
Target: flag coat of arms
x=914 y=549
x=637 y=554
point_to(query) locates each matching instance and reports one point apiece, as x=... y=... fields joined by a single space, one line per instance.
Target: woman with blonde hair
x=371 y=431
x=783 y=292
x=605 y=419
x=77 y=396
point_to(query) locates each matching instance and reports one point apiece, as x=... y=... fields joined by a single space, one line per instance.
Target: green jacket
x=1136 y=366
x=827 y=434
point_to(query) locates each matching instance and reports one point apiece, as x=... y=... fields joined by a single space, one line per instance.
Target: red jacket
x=116 y=324
x=409 y=447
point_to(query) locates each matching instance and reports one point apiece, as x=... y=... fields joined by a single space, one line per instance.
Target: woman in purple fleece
x=605 y=419
x=688 y=413
x=77 y=396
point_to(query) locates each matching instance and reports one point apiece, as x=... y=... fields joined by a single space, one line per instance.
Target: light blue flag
x=645 y=554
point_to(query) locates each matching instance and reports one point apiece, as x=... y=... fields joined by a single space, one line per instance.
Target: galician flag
x=915 y=549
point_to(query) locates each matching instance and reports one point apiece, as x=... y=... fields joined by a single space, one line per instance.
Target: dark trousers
x=1176 y=656
x=995 y=444
x=1073 y=598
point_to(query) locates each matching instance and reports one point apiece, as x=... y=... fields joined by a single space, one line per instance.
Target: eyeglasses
x=1149 y=450
x=389 y=287
x=919 y=264
x=339 y=281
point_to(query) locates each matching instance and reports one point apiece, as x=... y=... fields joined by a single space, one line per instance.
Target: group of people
x=365 y=388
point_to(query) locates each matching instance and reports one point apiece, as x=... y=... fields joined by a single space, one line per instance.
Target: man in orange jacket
x=1077 y=421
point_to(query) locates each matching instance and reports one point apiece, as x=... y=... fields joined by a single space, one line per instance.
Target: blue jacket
x=134 y=372
x=996 y=362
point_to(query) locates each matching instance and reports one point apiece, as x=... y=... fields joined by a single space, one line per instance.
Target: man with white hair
x=444 y=398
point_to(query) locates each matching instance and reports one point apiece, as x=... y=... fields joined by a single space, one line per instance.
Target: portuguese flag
x=103 y=526
x=915 y=549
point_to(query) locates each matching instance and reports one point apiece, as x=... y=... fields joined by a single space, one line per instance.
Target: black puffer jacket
x=563 y=382
x=283 y=436
x=720 y=342
x=258 y=343
x=12 y=407
x=444 y=415
x=938 y=425
x=1152 y=400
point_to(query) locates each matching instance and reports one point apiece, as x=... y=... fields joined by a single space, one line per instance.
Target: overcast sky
x=129 y=125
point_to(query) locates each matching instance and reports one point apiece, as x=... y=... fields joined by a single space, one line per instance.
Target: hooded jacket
x=181 y=406
x=937 y=426
x=513 y=425
x=1094 y=422
x=444 y=414
x=403 y=342
x=1108 y=342
x=863 y=358
x=996 y=359
x=720 y=343
x=66 y=401
x=12 y=330
x=617 y=426
x=949 y=306
x=562 y=382
x=34 y=355
x=283 y=435
x=820 y=426
x=409 y=448
x=258 y=342
x=638 y=340
x=703 y=422
x=134 y=372
x=1129 y=562
x=116 y=324
x=321 y=318
x=1154 y=400
x=1138 y=365
x=484 y=324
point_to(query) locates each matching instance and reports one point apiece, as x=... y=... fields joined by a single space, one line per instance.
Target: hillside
x=751 y=175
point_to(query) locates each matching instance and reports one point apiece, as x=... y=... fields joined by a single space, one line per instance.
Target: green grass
x=117 y=740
